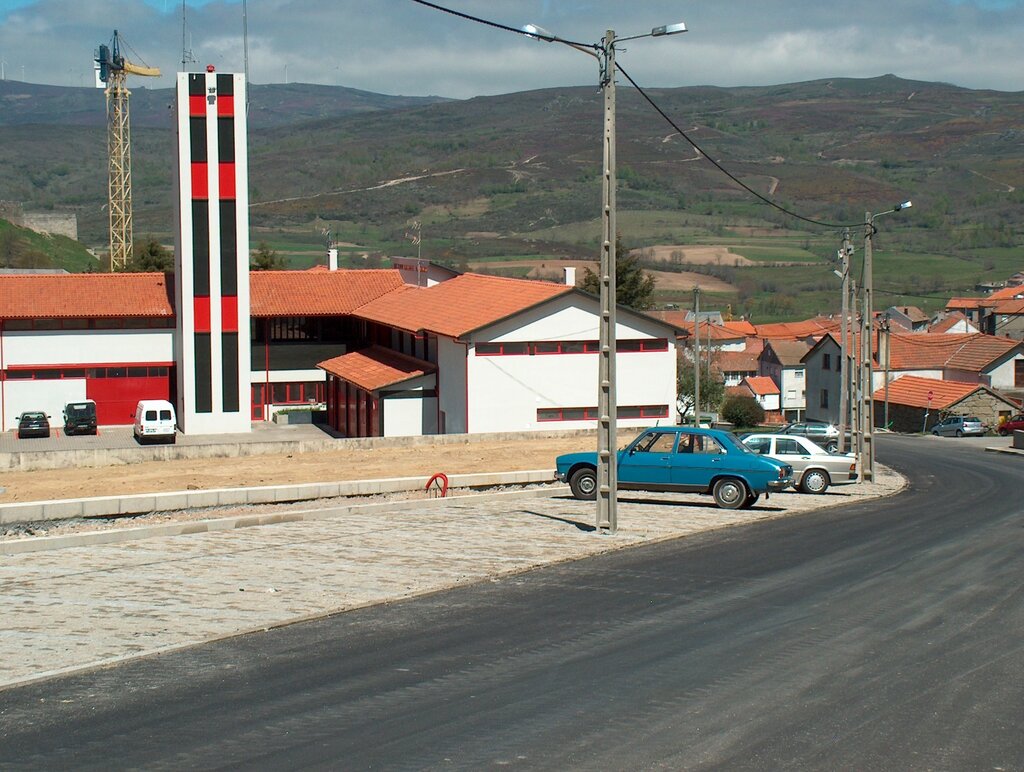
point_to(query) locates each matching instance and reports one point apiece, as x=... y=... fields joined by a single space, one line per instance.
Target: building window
x=826 y=361
x=541 y=348
x=798 y=374
x=824 y=399
x=297 y=393
x=590 y=413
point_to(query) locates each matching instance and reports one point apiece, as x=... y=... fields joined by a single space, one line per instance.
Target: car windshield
x=32 y=416
x=972 y=420
x=77 y=411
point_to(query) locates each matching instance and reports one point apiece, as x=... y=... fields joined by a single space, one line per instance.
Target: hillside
x=24 y=248
x=517 y=177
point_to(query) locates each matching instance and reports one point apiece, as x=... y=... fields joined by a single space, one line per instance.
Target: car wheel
x=730 y=493
x=832 y=446
x=583 y=484
x=750 y=500
x=959 y=433
x=1002 y=432
x=814 y=481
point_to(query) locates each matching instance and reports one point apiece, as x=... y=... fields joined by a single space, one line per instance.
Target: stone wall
x=51 y=223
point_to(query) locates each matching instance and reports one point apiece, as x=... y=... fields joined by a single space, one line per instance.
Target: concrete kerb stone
x=120 y=535
x=105 y=506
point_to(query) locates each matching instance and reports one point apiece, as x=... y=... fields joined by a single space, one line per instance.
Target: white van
x=154 y=421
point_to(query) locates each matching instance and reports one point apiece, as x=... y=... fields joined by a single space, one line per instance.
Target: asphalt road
x=886 y=635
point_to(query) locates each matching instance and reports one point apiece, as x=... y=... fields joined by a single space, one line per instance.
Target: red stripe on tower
x=201 y=313
x=197 y=105
x=229 y=313
x=225 y=105
x=200 y=181
x=227 y=179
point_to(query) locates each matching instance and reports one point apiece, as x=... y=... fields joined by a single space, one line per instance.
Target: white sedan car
x=814 y=468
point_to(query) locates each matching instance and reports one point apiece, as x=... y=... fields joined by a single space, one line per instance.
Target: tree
x=151 y=257
x=633 y=287
x=742 y=411
x=712 y=387
x=265 y=259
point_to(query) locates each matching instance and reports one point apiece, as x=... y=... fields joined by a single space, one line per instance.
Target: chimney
x=570 y=275
x=332 y=258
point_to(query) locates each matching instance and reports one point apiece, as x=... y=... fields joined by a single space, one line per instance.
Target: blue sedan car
x=683 y=459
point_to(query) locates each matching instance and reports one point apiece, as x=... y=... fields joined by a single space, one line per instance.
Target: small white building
x=781 y=360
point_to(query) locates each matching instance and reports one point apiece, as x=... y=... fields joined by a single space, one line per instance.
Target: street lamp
x=607 y=473
x=867 y=416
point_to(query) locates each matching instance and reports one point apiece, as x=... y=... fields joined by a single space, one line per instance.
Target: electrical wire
x=721 y=168
x=496 y=25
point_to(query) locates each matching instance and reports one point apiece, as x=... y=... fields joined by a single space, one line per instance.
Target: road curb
x=138 y=504
x=121 y=535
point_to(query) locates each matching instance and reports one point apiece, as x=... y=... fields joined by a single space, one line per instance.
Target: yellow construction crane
x=113 y=70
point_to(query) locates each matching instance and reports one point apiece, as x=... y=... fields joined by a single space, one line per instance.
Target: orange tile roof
x=956 y=303
x=460 y=305
x=913 y=391
x=376 y=367
x=1009 y=307
x=318 y=293
x=952 y=319
x=817 y=326
x=1014 y=292
x=933 y=351
x=761 y=384
x=741 y=326
x=86 y=295
x=737 y=361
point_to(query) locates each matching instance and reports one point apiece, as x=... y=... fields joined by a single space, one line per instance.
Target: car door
x=698 y=459
x=647 y=460
x=791 y=451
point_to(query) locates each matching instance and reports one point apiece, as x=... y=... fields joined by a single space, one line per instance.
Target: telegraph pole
x=867 y=417
x=844 y=364
x=696 y=356
x=607 y=472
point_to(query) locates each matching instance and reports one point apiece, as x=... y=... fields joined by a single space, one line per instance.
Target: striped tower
x=212 y=255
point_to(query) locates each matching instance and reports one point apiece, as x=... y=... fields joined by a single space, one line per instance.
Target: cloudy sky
x=401 y=47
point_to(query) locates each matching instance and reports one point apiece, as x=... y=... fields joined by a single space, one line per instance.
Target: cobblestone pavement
x=82 y=606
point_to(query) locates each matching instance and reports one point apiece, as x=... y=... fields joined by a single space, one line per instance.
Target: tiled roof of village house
x=737 y=361
x=741 y=326
x=86 y=295
x=952 y=319
x=913 y=313
x=1008 y=293
x=1009 y=307
x=913 y=391
x=761 y=384
x=710 y=331
x=955 y=303
x=808 y=328
x=932 y=351
x=318 y=293
x=460 y=305
x=376 y=367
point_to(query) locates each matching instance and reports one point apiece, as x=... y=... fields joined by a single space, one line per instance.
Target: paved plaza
x=73 y=607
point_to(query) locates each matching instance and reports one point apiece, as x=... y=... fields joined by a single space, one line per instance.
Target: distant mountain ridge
x=275 y=104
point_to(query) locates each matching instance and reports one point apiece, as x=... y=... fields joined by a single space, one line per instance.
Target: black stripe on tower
x=226 y=140
x=229 y=371
x=201 y=247
x=225 y=84
x=197 y=140
x=228 y=249
x=204 y=373
x=196 y=84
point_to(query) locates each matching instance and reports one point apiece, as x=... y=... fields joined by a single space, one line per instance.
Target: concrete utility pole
x=607 y=472
x=884 y=352
x=696 y=356
x=867 y=416
x=844 y=365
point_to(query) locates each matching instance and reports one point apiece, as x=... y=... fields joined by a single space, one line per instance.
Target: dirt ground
x=282 y=469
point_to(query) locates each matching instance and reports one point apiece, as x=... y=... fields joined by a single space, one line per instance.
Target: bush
x=742 y=411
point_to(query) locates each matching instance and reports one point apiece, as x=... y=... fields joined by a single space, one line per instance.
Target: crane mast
x=113 y=71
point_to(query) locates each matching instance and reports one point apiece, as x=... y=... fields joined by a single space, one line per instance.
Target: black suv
x=80 y=417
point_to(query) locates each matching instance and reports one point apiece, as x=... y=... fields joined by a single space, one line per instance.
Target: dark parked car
x=820 y=433
x=80 y=417
x=959 y=426
x=33 y=423
x=1011 y=425
x=683 y=459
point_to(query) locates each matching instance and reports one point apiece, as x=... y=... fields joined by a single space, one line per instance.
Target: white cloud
x=400 y=47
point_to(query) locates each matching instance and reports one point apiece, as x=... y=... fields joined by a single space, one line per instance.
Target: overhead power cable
x=721 y=168
x=496 y=25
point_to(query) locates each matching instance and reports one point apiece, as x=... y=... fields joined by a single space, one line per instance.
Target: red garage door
x=117 y=389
